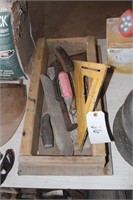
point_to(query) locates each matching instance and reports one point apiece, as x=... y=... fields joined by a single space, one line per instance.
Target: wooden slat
x=60 y=165
x=97 y=149
x=30 y=135
x=71 y=45
x=91 y=49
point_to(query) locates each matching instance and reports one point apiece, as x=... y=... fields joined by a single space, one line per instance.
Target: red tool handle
x=65 y=85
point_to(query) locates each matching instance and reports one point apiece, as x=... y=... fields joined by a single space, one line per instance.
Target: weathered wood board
x=58 y=165
x=30 y=136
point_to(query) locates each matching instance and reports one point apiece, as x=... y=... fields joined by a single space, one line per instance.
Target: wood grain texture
x=22 y=32
x=69 y=44
x=91 y=49
x=95 y=56
x=30 y=136
x=58 y=165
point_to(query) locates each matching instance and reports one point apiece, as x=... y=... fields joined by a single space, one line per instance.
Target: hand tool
x=65 y=87
x=63 y=58
x=68 y=124
x=61 y=136
x=64 y=63
x=46 y=131
x=96 y=72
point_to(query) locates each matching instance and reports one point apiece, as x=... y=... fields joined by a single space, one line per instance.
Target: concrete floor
x=54 y=19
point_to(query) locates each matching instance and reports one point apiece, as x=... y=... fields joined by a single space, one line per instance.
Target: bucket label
x=9 y=64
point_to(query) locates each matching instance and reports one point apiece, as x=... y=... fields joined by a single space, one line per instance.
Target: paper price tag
x=97 y=128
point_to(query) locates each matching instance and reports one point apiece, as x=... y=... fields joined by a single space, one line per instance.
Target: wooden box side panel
x=30 y=137
x=58 y=165
x=71 y=45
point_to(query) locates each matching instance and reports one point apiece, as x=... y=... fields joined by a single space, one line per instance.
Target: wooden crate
x=29 y=162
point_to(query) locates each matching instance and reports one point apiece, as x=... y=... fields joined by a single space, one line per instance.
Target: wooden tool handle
x=68 y=124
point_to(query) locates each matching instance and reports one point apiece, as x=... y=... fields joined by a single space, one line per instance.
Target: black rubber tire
x=123 y=144
x=127 y=116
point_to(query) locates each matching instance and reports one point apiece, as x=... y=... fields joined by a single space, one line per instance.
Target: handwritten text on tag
x=97 y=128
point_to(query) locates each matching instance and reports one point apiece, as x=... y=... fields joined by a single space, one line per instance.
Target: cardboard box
x=119 y=48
